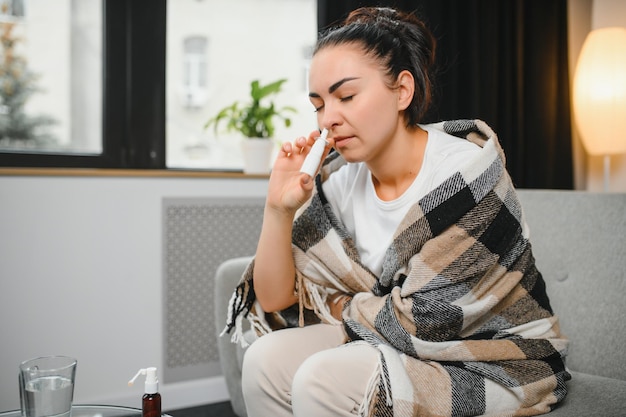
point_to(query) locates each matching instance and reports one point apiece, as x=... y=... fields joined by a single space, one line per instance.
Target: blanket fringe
x=237 y=336
x=258 y=321
x=258 y=325
x=385 y=379
x=370 y=392
x=229 y=313
x=234 y=320
x=317 y=299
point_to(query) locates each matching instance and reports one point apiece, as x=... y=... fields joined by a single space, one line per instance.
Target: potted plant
x=255 y=121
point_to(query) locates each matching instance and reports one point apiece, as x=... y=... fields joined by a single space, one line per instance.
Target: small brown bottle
x=151 y=400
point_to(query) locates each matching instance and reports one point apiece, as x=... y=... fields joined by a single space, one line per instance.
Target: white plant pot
x=257 y=155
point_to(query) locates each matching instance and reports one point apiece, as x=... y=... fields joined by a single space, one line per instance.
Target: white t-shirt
x=371 y=221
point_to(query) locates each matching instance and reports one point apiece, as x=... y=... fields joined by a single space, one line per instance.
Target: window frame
x=133 y=111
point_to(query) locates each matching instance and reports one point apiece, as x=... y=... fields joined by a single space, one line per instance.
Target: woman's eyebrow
x=334 y=87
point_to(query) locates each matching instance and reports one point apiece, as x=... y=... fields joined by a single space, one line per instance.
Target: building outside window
x=194 y=93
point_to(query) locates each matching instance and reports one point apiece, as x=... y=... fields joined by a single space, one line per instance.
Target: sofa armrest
x=227 y=276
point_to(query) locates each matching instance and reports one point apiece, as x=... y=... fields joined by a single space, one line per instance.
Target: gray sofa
x=579 y=242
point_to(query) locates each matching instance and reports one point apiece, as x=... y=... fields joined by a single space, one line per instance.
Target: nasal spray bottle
x=151 y=400
x=313 y=159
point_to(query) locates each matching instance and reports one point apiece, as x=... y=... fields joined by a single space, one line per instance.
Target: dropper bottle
x=151 y=400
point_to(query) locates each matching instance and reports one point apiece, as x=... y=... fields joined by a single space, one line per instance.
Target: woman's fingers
x=295 y=147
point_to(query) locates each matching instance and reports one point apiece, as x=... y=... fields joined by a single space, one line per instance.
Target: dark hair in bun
x=399 y=41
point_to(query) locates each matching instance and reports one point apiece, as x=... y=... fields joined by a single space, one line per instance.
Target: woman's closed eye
x=317 y=103
x=341 y=99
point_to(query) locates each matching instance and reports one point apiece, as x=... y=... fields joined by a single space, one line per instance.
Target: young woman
x=398 y=281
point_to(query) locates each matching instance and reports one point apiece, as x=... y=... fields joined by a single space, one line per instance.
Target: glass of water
x=47 y=386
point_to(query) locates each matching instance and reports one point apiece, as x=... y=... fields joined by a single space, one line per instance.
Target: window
x=48 y=56
x=12 y=8
x=215 y=48
x=131 y=83
x=110 y=104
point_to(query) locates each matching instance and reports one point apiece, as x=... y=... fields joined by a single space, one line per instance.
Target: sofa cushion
x=578 y=241
x=591 y=395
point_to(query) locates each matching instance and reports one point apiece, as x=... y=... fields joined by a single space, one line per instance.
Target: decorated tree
x=17 y=84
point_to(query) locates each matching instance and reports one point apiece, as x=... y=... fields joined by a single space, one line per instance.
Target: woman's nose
x=329 y=118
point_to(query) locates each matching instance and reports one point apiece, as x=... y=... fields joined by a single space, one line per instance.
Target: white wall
x=80 y=275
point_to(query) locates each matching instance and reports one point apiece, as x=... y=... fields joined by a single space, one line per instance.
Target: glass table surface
x=92 y=411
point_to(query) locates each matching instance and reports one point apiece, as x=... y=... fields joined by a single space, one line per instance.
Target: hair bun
x=373 y=14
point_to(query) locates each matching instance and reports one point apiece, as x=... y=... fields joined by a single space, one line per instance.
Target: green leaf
x=253 y=119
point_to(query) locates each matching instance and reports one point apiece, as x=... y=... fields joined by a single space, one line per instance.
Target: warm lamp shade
x=600 y=92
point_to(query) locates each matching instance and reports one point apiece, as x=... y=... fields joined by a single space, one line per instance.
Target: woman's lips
x=341 y=141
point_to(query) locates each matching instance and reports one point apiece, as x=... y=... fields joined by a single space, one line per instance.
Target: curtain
x=504 y=62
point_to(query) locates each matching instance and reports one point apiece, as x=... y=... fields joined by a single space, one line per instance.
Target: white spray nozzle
x=152 y=383
x=313 y=159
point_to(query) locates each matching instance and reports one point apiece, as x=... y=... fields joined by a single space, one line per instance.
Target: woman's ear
x=406 y=89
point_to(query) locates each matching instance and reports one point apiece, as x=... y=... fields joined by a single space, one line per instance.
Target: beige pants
x=307 y=372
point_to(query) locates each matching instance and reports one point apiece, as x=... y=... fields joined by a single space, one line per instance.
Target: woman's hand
x=289 y=189
x=336 y=302
x=274 y=268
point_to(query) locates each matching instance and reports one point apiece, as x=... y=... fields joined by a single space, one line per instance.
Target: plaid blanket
x=459 y=307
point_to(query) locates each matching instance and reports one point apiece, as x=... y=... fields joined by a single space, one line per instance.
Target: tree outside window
x=18 y=129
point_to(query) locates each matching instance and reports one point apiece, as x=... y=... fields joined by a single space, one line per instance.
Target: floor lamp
x=600 y=94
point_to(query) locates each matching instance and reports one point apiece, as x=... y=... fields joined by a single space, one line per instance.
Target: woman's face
x=353 y=100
